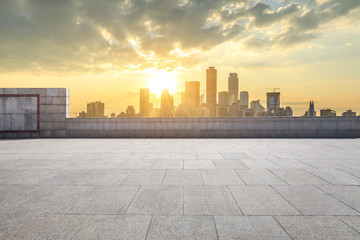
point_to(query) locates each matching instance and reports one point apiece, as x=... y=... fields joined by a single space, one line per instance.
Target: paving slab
x=209 y=200
x=168 y=164
x=152 y=200
x=221 y=177
x=198 y=164
x=249 y=227
x=335 y=176
x=298 y=177
x=261 y=200
x=317 y=227
x=259 y=177
x=182 y=228
x=311 y=201
x=183 y=177
x=352 y=221
x=229 y=164
x=259 y=164
x=122 y=227
x=144 y=177
x=349 y=195
x=105 y=200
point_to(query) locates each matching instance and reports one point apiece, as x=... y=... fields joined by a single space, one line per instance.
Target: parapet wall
x=231 y=127
x=44 y=112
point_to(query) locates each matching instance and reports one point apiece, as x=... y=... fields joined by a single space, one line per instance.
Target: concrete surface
x=180 y=189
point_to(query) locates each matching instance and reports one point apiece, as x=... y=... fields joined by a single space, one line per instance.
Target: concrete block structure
x=45 y=113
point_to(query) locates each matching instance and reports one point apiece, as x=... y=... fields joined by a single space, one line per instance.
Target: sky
x=107 y=50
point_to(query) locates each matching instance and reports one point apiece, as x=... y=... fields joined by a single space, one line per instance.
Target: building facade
x=211 y=90
x=244 y=100
x=233 y=88
x=192 y=97
x=95 y=110
x=144 y=102
x=272 y=102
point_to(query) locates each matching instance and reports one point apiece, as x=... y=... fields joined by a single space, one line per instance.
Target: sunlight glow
x=161 y=80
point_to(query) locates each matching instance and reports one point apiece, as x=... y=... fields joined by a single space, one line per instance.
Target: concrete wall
x=45 y=112
x=246 y=127
x=34 y=112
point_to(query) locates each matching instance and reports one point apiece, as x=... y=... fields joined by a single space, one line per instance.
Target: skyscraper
x=95 y=110
x=244 y=100
x=211 y=89
x=167 y=104
x=144 y=102
x=272 y=102
x=192 y=97
x=233 y=88
x=223 y=105
x=311 y=112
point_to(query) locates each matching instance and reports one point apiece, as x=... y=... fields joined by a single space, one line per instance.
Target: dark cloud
x=86 y=35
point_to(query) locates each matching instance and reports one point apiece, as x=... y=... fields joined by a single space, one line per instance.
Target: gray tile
x=349 y=195
x=261 y=200
x=229 y=164
x=259 y=177
x=182 y=228
x=311 y=201
x=59 y=201
x=106 y=200
x=157 y=200
x=198 y=164
x=317 y=227
x=298 y=177
x=289 y=163
x=259 y=164
x=43 y=226
x=334 y=176
x=353 y=172
x=249 y=227
x=32 y=177
x=168 y=164
x=352 y=221
x=68 y=177
x=137 y=164
x=116 y=227
x=183 y=177
x=105 y=177
x=209 y=200
x=145 y=177
x=221 y=177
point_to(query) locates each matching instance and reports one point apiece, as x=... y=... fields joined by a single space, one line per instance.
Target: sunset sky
x=107 y=50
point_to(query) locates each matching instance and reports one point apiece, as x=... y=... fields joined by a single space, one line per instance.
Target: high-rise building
x=130 y=111
x=327 y=113
x=233 y=88
x=144 y=102
x=244 y=100
x=289 y=111
x=349 y=113
x=167 y=104
x=223 y=105
x=272 y=102
x=192 y=97
x=311 y=111
x=95 y=110
x=257 y=108
x=211 y=90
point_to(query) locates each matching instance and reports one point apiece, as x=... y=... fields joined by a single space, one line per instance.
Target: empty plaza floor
x=168 y=189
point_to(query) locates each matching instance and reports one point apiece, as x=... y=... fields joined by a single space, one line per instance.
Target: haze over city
x=107 y=51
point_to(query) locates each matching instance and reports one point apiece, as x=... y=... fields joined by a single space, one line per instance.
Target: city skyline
x=309 y=49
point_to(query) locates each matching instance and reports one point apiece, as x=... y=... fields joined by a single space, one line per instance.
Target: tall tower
x=223 y=105
x=144 y=102
x=192 y=97
x=211 y=90
x=311 y=112
x=233 y=88
x=167 y=104
x=272 y=103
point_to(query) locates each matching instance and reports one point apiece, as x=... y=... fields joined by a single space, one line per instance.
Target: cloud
x=77 y=36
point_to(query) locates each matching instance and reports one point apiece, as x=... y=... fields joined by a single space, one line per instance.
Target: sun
x=161 y=80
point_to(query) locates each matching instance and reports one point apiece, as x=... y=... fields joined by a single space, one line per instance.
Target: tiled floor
x=180 y=189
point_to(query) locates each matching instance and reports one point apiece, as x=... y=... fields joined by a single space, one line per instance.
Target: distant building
x=202 y=112
x=233 y=88
x=192 y=97
x=272 y=102
x=234 y=110
x=121 y=115
x=95 y=110
x=82 y=114
x=289 y=111
x=211 y=90
x=144 y=102
x=167 y=104
x=202 y=98
x=349 y=113
x=327 y=113
x=113 y=115
x=244 y=100
x=130 y=111
x=311 y=112
x=257 y=108
x=222 y=107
